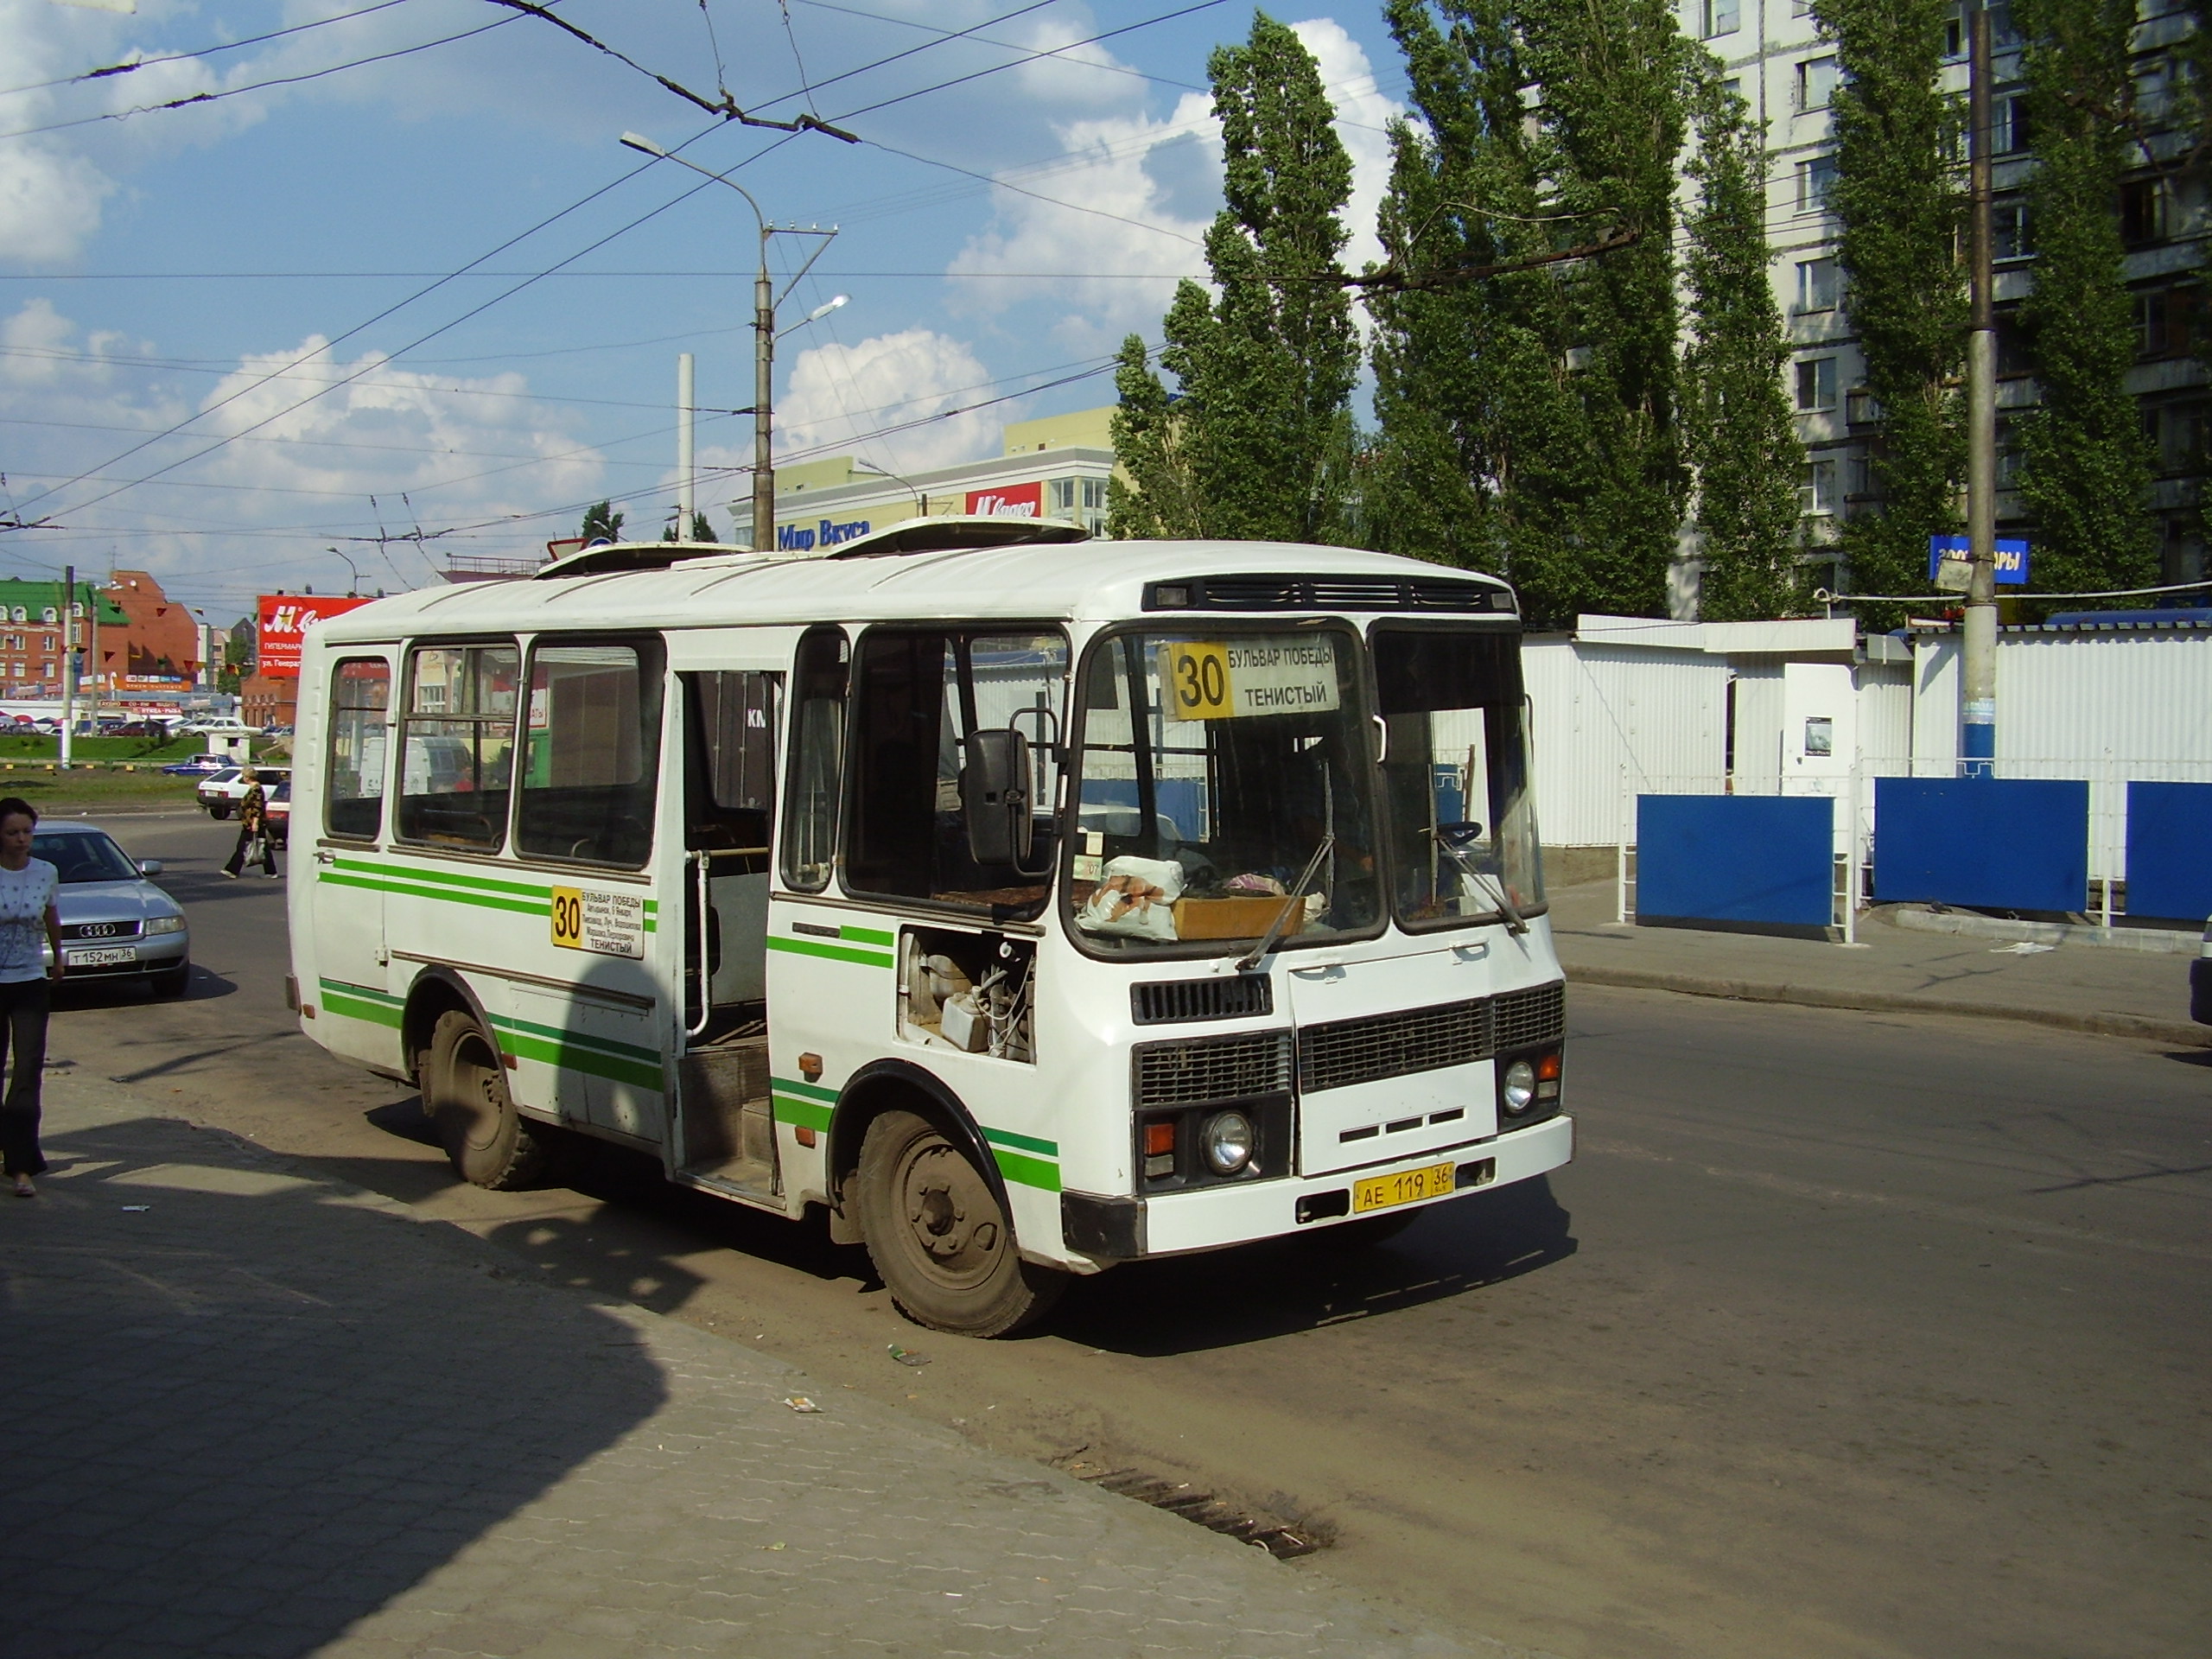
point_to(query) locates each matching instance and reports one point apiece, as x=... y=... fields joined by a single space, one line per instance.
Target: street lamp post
x=921 y=501
x=764 y=339
x=355 y=589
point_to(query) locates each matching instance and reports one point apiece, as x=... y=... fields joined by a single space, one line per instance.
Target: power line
x=197 y=99
x=128 y=66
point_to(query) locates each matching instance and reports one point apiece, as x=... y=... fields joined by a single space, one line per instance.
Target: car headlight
x=165 y=925
x=1226 y=1142
x=1519 y=1087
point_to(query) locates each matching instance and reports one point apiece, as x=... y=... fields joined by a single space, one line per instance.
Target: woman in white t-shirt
x=27 y=911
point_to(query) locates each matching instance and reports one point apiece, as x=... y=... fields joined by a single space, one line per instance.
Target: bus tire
x=939 y=1236
x=465 y=1096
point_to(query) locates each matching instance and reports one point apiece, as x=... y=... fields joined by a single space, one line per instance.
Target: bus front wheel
x=465 y=1096
x=938 y=1236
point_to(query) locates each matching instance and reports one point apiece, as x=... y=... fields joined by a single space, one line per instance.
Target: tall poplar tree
x=1741 y=437
x=1261 y=436
x=1527 y=417
x=2086 y=477
x=1898 y=194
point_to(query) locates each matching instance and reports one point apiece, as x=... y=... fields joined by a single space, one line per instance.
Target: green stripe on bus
x=347 y=1006
x=563 y=1034
x=800 y=1114
x=345 y=988
x=833 y=952
x=1029 y=1171
x=444 y=878
x=804 y=1090
x=865 y=935
x=479 y=901
x=570 y=1057
x=1023 y=1142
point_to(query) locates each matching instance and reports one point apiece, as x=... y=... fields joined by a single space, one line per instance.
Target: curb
x=2152 y=941
x=2183 y=1032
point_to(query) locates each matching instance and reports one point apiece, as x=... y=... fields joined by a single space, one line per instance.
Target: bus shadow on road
x=1225 y=1298
x=264 y=1409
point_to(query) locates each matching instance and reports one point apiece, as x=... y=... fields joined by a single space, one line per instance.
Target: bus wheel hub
x=941 y=1195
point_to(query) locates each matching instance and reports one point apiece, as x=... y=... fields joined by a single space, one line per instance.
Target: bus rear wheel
x=939 y=1236
x=465 y=1096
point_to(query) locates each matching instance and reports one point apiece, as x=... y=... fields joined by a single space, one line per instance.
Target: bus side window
x=591 y=753
x=731 y=724
x=817 y=761
x=457 y=746
x=360 y=702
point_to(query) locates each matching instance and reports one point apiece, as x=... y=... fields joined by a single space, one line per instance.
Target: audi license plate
x=1408 y=1186
x=107 y=955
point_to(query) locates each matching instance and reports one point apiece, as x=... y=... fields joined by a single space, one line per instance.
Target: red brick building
x=158 y=646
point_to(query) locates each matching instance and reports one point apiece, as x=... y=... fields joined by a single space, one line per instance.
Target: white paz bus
x=1031 y=904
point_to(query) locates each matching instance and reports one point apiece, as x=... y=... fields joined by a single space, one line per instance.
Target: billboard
x=1008 y=501
x=2011 y=557
x=284 y=618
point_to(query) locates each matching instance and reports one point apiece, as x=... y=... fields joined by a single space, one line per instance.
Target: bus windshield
x=1222 y=788
x=1455 y=775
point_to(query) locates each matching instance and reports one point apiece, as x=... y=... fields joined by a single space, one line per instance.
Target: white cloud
x=460 y=450
x=839 y=395
x=1133 y=195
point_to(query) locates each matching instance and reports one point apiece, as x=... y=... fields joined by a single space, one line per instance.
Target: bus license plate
x=1408 y=1186
x=103 y=957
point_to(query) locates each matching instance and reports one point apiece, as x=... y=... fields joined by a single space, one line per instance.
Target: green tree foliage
x=1259 y=443
x=600 y=520
x=1527 y=417
x=1899 y=198
x=2087 y=479
x=1740 y=436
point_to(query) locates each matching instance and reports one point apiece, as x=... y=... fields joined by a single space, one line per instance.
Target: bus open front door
x=725 y=1126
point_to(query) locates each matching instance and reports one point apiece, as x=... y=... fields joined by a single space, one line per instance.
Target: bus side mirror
x=994 y=797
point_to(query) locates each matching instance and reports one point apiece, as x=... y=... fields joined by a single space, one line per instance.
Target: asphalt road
x=1844 y=1334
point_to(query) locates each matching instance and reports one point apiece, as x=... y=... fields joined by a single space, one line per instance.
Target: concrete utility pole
x=1977 y=730
x=764 y=339
x=68 y=663
x=684 y=397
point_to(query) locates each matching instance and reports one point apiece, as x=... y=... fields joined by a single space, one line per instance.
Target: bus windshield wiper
x=1515 y=922
x=1251 y=958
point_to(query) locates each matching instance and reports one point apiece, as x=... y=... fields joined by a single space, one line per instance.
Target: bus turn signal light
x=1158 y=1137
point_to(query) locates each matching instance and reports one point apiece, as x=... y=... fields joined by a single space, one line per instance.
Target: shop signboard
x=284 y=618
x=1008 y=501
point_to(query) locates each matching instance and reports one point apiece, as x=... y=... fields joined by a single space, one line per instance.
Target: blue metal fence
x=1987 y=844
x=2170 y=851
x=1738 y=859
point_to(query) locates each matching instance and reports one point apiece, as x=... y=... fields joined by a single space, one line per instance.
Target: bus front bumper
x=1125 y=1229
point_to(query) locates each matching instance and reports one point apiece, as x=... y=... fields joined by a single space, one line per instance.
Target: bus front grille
x=1523 y=1018
x=1171 y=1001
x=1347 y=1051
x=1212 y=1068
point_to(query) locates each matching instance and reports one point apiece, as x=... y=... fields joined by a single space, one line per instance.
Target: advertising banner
x=2012 y=558
x=1008 y=501
x=284 y=618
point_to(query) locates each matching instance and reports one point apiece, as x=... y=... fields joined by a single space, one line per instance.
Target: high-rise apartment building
x=1777 y=59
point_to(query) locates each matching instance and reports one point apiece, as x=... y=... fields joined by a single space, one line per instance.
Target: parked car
x=221 y=793
x=201 y=765
x=2200 y=979
x=138 y=728
x=115 y=923
x=280 y=813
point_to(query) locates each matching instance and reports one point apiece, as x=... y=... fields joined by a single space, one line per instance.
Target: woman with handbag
x=26 y=907
x=254 y=845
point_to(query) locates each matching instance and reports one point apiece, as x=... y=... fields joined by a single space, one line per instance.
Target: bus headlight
x=1519 y=1087
x=1226 y=1142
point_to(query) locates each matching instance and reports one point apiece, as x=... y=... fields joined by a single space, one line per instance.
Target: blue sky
x=217 y=268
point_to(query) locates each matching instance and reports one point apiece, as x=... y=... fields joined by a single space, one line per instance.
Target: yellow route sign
x=569 y=917
x=1195 y=676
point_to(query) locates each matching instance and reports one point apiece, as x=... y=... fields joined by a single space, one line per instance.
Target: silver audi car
x=115 y=923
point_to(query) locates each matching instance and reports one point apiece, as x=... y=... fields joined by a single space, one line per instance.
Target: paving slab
x=2073 y=985
x=261 y=1412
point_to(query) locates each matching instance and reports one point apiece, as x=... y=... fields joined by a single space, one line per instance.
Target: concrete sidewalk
x=259 y=1413
x=2074 y=986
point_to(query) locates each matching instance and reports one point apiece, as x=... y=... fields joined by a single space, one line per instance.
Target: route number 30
x=569 y=917
x=1197 y=680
